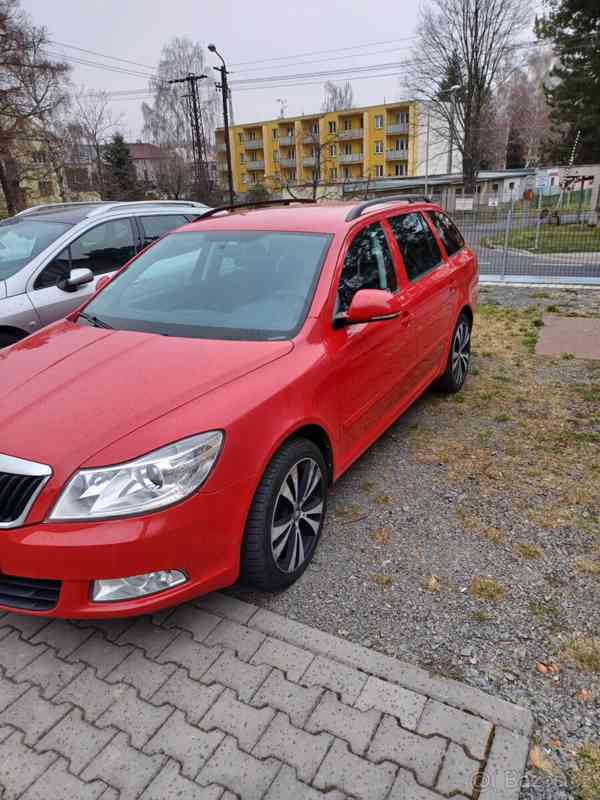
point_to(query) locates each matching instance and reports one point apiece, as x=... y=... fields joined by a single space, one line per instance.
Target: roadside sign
x=464 y=204
x=541 y=179
x=493 y=202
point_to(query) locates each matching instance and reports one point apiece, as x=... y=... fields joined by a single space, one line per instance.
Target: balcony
x=396 y=155
x=288 y=163
x=222 y=166
x=286 y=140
x=400 y=127
x=253 y=144
x=221 y=148
x=255 y=165
x=310 y=138
x=353 y=133
x=309 y=161
x=351 y=158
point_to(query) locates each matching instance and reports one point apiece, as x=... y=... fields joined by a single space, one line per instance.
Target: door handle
x=405 y=318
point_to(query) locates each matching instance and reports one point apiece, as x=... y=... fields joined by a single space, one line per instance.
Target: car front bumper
x=200 y=536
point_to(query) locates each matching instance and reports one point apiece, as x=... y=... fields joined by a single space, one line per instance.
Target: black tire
x=7 y=339
x=459 y=357
x=261 y=566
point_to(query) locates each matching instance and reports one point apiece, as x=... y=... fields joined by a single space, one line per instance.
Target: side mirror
x=370 y=305
x=75 y=279
x=102 y=282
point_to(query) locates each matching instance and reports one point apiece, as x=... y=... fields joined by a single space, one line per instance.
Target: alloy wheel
x=297 y=515
x=461 y=353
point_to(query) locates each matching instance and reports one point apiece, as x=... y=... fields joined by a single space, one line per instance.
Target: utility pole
x=202 y=176
x=224 y=88
x=427 y=153
x=452 y=92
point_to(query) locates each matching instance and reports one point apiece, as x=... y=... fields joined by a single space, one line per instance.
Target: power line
x=102 y=55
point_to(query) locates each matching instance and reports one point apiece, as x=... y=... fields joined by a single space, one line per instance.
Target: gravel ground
x=460 y=489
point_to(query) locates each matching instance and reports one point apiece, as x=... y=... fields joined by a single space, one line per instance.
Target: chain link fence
x=547 y=239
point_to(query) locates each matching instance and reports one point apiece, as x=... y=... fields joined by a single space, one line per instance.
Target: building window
x=379 y=121
x=332 y=127
x=334 y=174
x=347 y=124
x=292 y=153
x=511 y=185
x=494 y=187
x=400 y=144
x=333 y=149
x=379 y=171
x=290 y=132
x=275 y=133
x=379 y=147
x=402 y=117
x=315 y=129
x=276 y=156
x=346 y=172
x=46 y=188
x=241 y=137
x=39 y=157
x=399 y=169
x=348 y=149
x=242 y=158
x=252 y=136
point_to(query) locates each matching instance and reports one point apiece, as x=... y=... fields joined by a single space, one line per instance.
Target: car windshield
x=23 y=239
x=250 y=285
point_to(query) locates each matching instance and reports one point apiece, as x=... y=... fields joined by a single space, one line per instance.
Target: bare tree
x=323 y=155
x=337 y=98
x=471 y=39
x=31 y=86
x=94 y=120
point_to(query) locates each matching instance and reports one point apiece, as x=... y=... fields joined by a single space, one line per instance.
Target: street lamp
x=452 y=93
x=222 y=70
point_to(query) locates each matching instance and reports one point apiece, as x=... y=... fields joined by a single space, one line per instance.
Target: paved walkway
x=579 y=336
x=220 y=699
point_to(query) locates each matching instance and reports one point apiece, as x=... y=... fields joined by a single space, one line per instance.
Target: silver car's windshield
x=23 y=239
x=253 y=285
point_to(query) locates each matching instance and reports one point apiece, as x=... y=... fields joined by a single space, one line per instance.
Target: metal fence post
x=506 y=235
x=539 y=221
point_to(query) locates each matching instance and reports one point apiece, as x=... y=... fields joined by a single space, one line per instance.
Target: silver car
x=52 y=256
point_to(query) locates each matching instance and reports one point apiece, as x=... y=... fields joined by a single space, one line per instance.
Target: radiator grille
x=16 y=491
x=32 y=594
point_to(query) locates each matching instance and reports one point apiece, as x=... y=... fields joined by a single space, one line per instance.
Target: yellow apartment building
x=327 y=148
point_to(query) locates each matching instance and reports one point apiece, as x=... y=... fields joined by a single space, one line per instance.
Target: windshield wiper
x=94 y=320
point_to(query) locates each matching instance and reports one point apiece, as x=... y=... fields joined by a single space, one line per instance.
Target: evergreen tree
x=573 y=26
x=120 y=181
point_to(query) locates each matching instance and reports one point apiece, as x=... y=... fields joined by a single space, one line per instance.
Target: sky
x=277 y=38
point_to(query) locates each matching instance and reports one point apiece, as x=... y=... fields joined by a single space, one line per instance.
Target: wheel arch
x=10 y=330
x=319 y=436
x=468 y=311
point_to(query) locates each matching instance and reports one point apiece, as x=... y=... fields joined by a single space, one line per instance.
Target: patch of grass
x=567 y=356
x=586 y=775
x=588 y=566
x=381 y=536
x=526 y=550
x=544 y=609
x=551 y=309
x=487 y=589
x=539 y=323
x=585 y=652
x=530 y=341
x=552 y=239
x=590 y=392
x=542 y=296
x=383 y=499
x=368 y=486
x=481 y=616
x=344 y=512
x=384 y=581
x=503 y=418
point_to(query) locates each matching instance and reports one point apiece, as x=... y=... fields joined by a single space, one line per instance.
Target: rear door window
x=418 y=247
x=155 y=226
x=104 y=248
x=368 y=265
x=447 y=231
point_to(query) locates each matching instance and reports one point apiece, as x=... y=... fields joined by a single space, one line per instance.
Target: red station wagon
x=184 y=427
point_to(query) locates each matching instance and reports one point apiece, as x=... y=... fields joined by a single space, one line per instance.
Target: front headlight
x=150 y=482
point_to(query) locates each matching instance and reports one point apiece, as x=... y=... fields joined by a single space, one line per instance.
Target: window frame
x=437 y=235
x=429 y=225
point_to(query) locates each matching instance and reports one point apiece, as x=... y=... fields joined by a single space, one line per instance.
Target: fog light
x=136 y=585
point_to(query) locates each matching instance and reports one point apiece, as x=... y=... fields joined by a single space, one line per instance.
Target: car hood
x=71 y=390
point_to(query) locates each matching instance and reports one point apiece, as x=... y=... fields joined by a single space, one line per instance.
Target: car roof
x=72 y=213
x=303 y=218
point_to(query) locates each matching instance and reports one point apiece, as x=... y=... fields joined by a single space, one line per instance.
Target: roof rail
x=257 y=204
x=107 y=207
x=58 y=206
x=356 y=211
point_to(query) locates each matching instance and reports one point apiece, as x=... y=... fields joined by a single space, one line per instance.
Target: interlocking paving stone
x=354 y=726
x=187 y=744
x=247 y=724
x=123 y=767
x=189 y=696
x=20 y=766
x=57 y=784
x=343 y=680
x=302 y=750
x=391 y=699
x=263 y=708
x=284 y=695
x=354 y=775
x=146 y=675
x=291 y=660
x=76 y=740
x=238 y=637
x=423 y=756
x=243 y=774
x=135 y=717
x=472 y=732
x=459 y=772
x=50 y=673
x=235 y=674
x=33 y=715
x=169 y=784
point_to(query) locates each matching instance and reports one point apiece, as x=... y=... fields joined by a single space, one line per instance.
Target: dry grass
x=384 y=581
x=586 y=776
x=527 y=550
x=381 y=536
x=487 y=589
x=528 y=431
x=585 y=652
x=588 y=566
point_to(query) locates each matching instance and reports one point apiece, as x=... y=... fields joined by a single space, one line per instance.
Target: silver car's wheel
x=461 y=352
x=297 y=515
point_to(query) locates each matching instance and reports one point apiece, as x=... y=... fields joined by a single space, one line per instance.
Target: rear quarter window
x=451 y=237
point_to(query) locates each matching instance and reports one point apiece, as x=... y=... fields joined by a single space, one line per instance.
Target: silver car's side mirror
x=75 y=279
